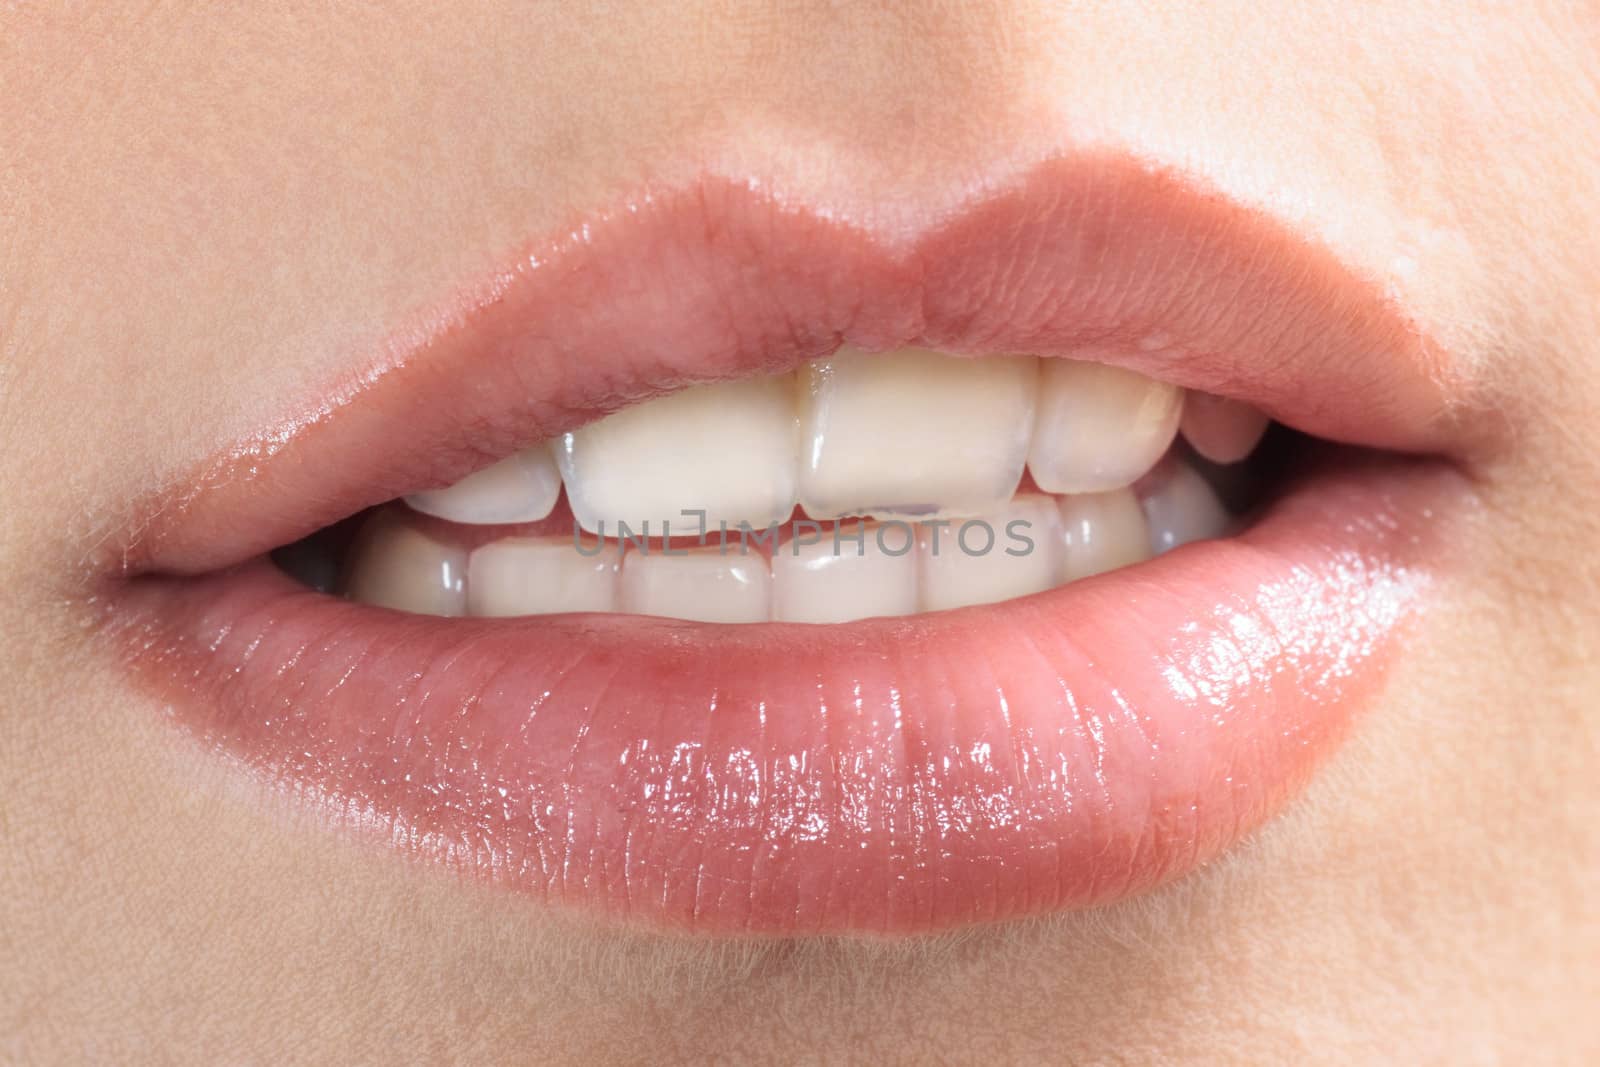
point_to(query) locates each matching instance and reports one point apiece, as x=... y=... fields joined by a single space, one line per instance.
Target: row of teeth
x=909 y=433
x=920 y=454
x=812 y=574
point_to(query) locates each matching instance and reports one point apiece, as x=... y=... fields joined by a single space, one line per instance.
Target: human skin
x=208 y=215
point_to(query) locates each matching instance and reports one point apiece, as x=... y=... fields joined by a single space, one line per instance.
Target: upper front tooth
x=1099 y=427
x=1103 y=531
x=520 y=488
x=913 y=433
x=1222 y=430
x=1010 y=552
x=729 y=450
x=717 y=583
x=1182 y=508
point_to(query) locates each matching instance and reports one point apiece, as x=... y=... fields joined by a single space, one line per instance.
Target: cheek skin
x=212 y=213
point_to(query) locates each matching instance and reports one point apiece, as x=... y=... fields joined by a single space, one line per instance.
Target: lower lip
x=890 y=776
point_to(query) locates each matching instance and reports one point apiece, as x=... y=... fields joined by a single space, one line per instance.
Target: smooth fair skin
x=209 y=213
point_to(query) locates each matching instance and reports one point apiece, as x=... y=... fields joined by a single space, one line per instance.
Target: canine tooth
x=1099 y=427
x=520 y=488
x=711 y=584
x=1222 y=430
x=1183 y=508
x=729 y=449
x=913 y=433
x=542 y=576
x=395 y=565
x=871 y=571
x=1020 y=560
x=1102 y=531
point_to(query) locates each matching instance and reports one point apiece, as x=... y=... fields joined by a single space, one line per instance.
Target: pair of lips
x=891 y=775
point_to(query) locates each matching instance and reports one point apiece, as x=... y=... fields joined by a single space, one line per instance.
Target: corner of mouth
x=983 y=761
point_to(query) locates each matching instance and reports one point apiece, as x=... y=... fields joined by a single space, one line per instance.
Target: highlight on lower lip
x=886 y=775
x=890 y=776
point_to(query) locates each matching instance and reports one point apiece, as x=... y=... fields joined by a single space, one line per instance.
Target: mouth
x=727 y=566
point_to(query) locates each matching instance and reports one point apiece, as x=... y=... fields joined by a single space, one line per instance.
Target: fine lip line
x=1151 y=721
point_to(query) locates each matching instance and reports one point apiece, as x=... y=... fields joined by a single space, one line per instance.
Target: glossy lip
x=891 y=775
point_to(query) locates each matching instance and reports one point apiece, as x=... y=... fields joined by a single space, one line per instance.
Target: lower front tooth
x=542 y=576
x=1099 y=427
x=1010 y=552
x=712 y=584
x=858 y=571
x=395 y=565
x=1182 y=508
x=1102 y=531
x=520 y=488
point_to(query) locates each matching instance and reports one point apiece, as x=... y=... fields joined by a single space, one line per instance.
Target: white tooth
x=542 y=576
x=702 y=584
x=1099 y=427
x=730 y=449
x=520 y=488
x=913 y=433
x=1102 y=531
x=1183 y=508
x=866 y=570
x=1222 y=430
x=395 y=565
x=1024 y=556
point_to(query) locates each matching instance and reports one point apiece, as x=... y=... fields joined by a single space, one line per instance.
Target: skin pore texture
x=208 y=215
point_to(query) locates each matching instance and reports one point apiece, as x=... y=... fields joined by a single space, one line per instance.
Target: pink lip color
x=892 y=775
x=717 y=281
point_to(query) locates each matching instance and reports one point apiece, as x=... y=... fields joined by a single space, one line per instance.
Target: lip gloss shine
x=889 y=776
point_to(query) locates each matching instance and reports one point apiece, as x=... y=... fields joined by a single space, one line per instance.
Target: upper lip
x=901 y=774
x=1099 y=256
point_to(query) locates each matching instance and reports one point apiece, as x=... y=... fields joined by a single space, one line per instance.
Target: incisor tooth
x=838 y=579
x=1102 y=531
x=1222 y=430
x=523 y=487
x=701 y=584
x=1010 y=552
x=1182 y=508
x=395 y=565
x=1099 y=427
x=913 y=433
x=542 y=576
x=729 y=449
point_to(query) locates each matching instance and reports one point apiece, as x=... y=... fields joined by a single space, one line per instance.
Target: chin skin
x=215 y=213
x=1347 y=890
